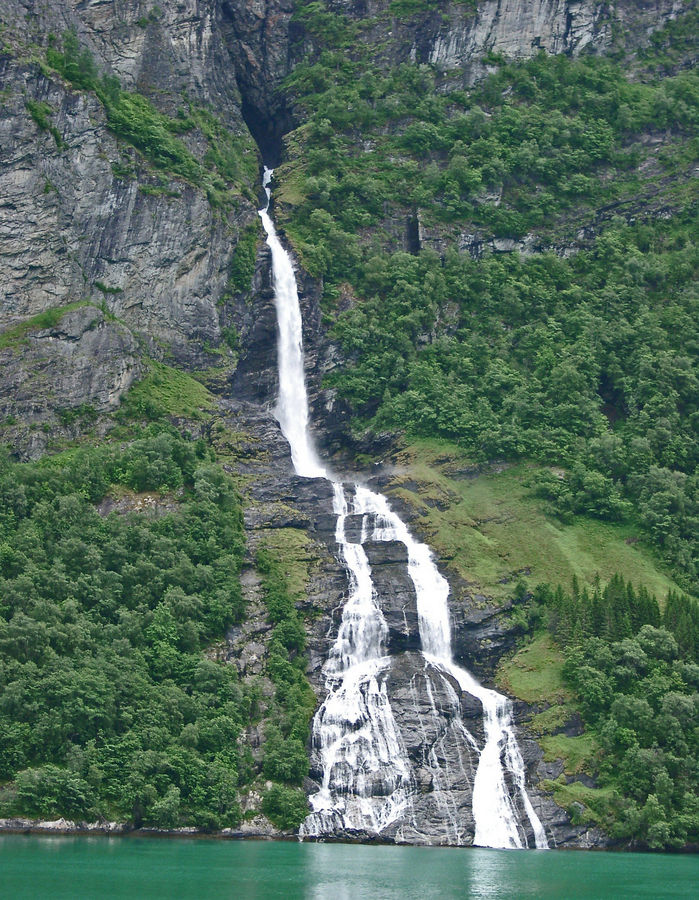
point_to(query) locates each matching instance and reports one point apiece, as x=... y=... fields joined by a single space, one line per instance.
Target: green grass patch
x=578 y=753
x=493 y=526
x=535 y=673
x=163 y=392
x=289 y=547
x=17 y=334
x=585 y=805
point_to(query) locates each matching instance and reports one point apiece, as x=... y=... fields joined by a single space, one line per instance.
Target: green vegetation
x=288 y=547
x=107 y=289
x=535 y=673
x=286 y=807
x=577 y=751
x=585 y=361
x=242 y=266
x=17 y=334
x=285 y=759
x=586 y=805
x=632 y=671
x=489 y=526
x=229 y=166
x=165 y=392
x=108 y=707
x=40 y=112
x=85 y=413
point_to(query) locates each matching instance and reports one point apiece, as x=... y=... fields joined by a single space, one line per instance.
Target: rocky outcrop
x=389 y=569
x=73 y=229
x=166 y=50
x=258 y=37
x=84 y=358
x=516 y=29
x=458 y=37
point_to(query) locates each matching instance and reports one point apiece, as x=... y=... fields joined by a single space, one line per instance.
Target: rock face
x=84 y=218
x=75 y=230
x=456 y=37
x=85 y=362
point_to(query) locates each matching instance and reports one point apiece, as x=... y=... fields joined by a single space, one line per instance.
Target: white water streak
x=493 y=809
x=367 y=781
x=292 y=403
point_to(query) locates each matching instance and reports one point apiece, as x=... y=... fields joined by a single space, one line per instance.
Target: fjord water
x=121 y=868
x=367 y=780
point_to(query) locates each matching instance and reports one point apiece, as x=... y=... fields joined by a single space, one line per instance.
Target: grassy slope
x=290 y=547
x=165 y=391
x=493 y=527
x=534 y=674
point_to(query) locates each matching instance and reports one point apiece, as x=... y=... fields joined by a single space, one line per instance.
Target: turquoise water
x=87 y=867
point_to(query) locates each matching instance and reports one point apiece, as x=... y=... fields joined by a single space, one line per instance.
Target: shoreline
x=66 y=828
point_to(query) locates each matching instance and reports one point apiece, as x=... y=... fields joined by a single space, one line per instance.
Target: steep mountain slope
x=495 y=250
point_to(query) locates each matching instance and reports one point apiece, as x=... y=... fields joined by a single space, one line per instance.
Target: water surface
x=92 y=867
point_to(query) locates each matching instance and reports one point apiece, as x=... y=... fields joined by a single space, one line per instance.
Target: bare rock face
x=516 y=29
x=164 y=49
x=85 y=361
x=73 y=230
x=457 y=36
x=257 y=34
x=85 y=219
x=520 y=28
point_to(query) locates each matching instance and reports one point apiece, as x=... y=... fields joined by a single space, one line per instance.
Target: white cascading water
x=292 y=403
x=493 y=810
x=366 y=773
x=367 y=780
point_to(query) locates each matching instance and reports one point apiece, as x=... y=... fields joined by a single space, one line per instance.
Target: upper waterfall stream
x=369 y=781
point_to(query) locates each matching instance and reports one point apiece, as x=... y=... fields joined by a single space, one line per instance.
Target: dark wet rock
x=574 y=726
x=482 y=636
x=551 y=770
x=395 y=593
x=582 y=778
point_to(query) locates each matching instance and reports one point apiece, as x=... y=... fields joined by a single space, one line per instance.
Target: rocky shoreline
x=258 y=830
x=64 y=828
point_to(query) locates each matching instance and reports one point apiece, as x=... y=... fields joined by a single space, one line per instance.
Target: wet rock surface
x=439 y=726
x=396 y=593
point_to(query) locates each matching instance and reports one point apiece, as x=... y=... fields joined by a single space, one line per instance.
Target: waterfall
x=292 y=403
x=367 y=777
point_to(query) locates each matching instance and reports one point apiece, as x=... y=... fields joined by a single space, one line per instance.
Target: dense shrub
x=286 y=758
x=107 y=704
x=286 y=807
x=585 y=361
x=635 y=674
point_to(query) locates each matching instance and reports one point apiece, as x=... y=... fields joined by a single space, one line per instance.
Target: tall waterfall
x=368 y=782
